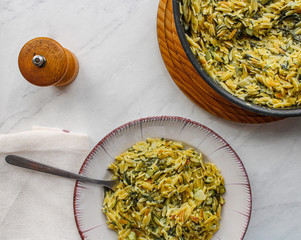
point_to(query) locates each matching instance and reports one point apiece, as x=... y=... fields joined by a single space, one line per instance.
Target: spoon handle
x=26 y=163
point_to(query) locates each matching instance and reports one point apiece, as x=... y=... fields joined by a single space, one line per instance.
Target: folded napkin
x=36 y=205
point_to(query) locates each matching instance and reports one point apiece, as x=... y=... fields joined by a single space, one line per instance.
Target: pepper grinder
x=44 y=62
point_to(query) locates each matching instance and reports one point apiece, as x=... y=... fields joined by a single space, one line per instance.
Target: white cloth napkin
x=33 y=205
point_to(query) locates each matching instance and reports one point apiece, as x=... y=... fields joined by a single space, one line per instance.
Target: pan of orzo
x=177 y=180
x=248 y=51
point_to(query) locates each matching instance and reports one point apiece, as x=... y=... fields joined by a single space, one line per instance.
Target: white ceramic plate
x=88 y=198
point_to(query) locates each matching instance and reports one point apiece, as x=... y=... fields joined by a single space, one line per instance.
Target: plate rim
x=156 y=118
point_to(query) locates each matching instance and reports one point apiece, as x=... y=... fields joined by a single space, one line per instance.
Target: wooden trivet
x=187 y=78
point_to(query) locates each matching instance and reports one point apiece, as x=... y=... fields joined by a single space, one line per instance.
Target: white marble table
x=122 y=77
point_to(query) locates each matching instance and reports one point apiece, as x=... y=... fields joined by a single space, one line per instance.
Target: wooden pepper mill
x=44 y=62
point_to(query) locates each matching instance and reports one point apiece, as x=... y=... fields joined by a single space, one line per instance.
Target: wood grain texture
x=187 y=78
x=71 y=70
x=61 y=65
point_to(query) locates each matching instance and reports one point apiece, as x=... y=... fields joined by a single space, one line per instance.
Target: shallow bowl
x=88 y=198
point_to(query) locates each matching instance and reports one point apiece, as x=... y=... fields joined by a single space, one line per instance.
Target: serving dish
x=262 y=110
x=88 y=198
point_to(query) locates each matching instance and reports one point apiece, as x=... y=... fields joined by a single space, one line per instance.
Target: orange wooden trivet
x=187 y=78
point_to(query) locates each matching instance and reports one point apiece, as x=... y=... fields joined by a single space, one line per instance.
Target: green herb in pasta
x=165 y=192
x=250 y=47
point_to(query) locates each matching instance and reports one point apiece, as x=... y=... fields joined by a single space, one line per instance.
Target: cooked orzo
x=250 y=47
x=165 y=192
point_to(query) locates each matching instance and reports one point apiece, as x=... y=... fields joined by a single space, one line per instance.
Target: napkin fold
x=36 y=205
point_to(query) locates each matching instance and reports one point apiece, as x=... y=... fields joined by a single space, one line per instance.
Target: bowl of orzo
x=248 y=51
x=177 y=180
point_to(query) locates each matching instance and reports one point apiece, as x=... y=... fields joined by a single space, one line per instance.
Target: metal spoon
x=26 y=163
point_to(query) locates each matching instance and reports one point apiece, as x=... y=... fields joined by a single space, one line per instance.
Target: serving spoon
x=29 y=164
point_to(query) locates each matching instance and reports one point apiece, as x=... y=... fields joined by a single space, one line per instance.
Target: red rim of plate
x=161 y=118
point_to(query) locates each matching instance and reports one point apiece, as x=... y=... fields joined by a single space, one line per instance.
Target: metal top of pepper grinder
x=39 y=60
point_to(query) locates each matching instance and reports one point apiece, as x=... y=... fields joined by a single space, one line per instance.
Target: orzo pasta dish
x=165 y=192
x=250 y=47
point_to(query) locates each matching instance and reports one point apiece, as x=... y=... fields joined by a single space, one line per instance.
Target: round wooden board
x=187 y=78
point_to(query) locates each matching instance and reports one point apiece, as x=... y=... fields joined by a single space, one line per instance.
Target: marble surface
x=122 y=77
